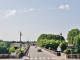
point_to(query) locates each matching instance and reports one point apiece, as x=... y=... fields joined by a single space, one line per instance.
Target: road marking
x=31 y=58
x=40 y=58
x=35 y=57
x=44 y=58
x=48 y=57
x=52 y=57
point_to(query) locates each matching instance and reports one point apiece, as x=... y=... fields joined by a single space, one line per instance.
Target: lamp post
x=20 y=40
x=60 y=36
x=59 y=49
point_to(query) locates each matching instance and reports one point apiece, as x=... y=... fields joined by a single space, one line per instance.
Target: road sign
x=58 y=49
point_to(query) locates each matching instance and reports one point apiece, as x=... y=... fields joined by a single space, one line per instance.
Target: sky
x=36 y=17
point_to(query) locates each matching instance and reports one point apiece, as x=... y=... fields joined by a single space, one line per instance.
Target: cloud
x=22 y=10
x=31 y=9
x=26 y=10
x=9 y=13
x=62 y=6
x=66 y=6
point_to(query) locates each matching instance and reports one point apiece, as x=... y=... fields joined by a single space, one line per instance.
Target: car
x=39 y=50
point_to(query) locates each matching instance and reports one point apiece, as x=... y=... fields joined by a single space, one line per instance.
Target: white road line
x=40 y=58
x=35 y=57
x=44 y=58
x=48 y=57
x=31 y=58
x=52 y=57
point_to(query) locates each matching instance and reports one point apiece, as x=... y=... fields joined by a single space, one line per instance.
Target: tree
x=77 y=42
x=1 y=40
x=50 y=37
x=72 y=34
x=4 y=47
x=63 y=45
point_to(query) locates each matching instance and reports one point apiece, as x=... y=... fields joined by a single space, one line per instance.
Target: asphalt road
x=44 y=55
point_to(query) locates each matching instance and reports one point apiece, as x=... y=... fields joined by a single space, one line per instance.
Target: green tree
x=72 y=34
x=77 y=42
x=63 y=45
x=50 y=37
x=4 y=47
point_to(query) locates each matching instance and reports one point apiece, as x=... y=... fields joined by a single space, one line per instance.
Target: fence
x=72 y=55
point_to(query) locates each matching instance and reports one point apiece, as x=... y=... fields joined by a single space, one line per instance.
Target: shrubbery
x=11 y=49
x=4 y=47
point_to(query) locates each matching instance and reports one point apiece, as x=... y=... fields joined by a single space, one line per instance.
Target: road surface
x=44 y=55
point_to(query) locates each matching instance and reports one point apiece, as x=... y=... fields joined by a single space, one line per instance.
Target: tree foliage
x=49 y=44
x=49 y=41
x=11 y=49
x=77 y=42
x=4 y=47
x=50 y=37
x=72 y=34
x=63 y=45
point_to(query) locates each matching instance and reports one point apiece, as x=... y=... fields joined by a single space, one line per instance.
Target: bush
x=49 y=48
x=22 y=50
x=67 y=51
x=17 y=51
x=4 y=47
x=11 y=49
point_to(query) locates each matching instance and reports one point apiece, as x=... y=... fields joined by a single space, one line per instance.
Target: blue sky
x=36 y=17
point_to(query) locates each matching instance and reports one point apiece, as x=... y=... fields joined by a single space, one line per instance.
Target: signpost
x=58 y=51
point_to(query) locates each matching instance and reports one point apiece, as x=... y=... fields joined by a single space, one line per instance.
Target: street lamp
x=60 y=36
x=20 y=40
x=59 y=49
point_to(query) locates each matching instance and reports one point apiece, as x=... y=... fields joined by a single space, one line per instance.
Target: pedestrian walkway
x=42 y=58
x=33 y=58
